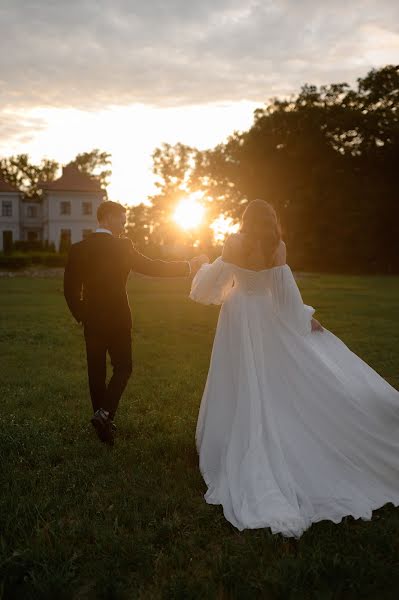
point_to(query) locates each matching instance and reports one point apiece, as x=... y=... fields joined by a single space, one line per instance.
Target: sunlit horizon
x=130 y=134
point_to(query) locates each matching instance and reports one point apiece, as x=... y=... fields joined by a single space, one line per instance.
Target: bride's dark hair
x=262 y=231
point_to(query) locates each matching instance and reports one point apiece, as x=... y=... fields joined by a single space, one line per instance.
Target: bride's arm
x=287 y=296
x=212 y=282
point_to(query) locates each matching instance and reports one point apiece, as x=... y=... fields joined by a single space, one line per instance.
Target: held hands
x=316 y=325
x=197 y=262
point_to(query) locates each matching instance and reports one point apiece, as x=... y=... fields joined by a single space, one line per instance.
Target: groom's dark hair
x=109 y=208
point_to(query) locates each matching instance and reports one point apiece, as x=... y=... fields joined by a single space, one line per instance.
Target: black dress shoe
x=103 y=426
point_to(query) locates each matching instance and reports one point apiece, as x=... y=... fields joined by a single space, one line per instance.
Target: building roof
x=7 y=187
x=73 y=180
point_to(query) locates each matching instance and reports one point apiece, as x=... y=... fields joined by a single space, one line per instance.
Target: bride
x=293 y=427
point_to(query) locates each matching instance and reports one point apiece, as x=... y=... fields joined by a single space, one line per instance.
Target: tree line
x=327 y=158
x=28 y=177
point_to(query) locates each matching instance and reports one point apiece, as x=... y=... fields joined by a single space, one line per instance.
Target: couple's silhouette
x=293 y=427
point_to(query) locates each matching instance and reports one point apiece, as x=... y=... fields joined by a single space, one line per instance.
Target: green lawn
x=81 y=520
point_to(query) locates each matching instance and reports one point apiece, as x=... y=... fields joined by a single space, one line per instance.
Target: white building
x=66 y=211
x=10 y=202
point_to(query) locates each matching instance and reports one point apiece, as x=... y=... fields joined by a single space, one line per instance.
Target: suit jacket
x=96 y=274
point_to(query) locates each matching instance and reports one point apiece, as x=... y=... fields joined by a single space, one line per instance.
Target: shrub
x=54 y=260
x=37 y=245
x=14 y=262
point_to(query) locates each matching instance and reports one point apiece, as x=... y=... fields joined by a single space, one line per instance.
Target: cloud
x=95 y=53
x=17 y=128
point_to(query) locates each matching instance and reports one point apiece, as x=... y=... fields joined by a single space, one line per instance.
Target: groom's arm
x=139 y=263
x=73 y=282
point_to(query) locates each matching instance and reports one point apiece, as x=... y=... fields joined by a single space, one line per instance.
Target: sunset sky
x=127 y=75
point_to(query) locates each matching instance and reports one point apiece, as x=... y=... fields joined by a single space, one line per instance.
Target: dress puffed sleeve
x=212 y=282
x=287 y=300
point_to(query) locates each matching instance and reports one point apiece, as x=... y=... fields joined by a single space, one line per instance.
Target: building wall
x=45 y=227
x=29 y=223
x=49 y=221
x=12 y=222
x=76 y=222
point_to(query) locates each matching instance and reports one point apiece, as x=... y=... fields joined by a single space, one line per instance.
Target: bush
x=54 y=260
x=14 y=262
x=7 y=243
x=21 y=261
x=25 y=246
x=65 y=244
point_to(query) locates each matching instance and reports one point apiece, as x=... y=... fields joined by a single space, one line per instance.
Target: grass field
x=80 y=520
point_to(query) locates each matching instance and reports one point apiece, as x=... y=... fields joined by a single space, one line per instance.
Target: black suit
x=95 y=290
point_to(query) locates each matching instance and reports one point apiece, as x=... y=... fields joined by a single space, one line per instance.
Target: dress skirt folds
x=293 y=427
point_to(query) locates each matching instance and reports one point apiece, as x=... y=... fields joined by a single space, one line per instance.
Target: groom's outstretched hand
x=197 y=262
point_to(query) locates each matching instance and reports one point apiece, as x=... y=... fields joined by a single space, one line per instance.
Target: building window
x=87 y=208
x=65 y=208
x=6 y=208
x=32 y=211
x=86 y=233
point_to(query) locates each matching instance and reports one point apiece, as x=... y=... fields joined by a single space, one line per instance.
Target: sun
x=189 y=213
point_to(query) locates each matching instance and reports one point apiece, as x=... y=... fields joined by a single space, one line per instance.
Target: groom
x=95 y=290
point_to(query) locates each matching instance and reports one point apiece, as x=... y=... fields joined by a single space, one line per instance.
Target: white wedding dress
x=293 y=427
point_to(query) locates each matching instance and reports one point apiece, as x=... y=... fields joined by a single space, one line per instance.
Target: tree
x=173 y=167
x=139 y=225
x=95 y=163
x=27 y=177
x=20 y=172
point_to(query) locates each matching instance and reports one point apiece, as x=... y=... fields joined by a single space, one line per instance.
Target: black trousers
x=118 y=344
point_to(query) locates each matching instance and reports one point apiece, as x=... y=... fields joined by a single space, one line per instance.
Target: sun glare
x=222 y=227
x=189 y=212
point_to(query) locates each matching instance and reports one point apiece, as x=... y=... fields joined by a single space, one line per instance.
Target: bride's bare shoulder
x=232 y=247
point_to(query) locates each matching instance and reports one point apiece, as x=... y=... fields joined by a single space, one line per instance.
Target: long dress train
x=293 y=427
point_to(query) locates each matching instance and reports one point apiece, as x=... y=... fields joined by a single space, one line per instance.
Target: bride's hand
x=316 y=325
